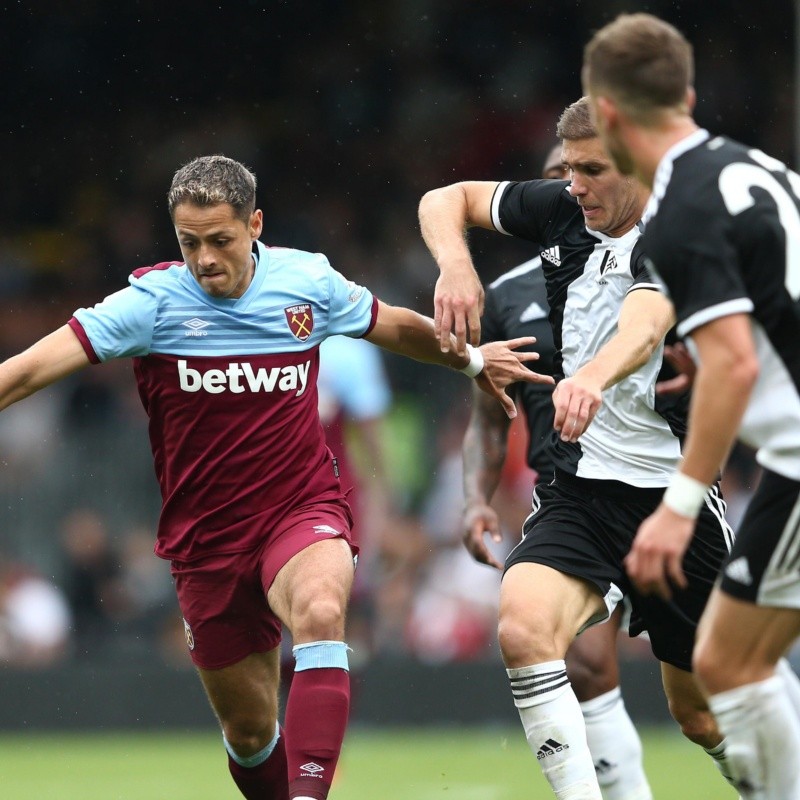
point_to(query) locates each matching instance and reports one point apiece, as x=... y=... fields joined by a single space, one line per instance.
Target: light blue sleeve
x=355 y=372
x=122 y=324
x=350 y=309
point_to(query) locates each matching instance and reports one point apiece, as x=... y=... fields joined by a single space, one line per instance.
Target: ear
x=606 y=113
x=691 y=98
x=256 y=224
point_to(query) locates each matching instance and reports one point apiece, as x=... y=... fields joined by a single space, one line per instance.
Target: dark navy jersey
x=588 y=275
x=723 y=233
x=516 y=305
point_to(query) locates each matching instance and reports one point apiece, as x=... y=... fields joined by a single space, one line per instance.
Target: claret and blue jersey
x=229 y=386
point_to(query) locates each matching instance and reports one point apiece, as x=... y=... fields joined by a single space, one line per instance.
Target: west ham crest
x=301 y=320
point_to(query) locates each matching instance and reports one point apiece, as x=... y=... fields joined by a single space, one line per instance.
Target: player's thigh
x=244 y=695
x=592 y=663
x=542 y=608
x=739 y=642
x=313 y=588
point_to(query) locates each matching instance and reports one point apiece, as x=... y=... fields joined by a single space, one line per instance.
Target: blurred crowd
x=346 y=121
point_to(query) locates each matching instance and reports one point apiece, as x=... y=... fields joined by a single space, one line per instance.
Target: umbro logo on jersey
x=739 y=570
x=310 y=768
x=322 y=529
x=533 y=311
x=552 y=254
x=238 y=378
x=196 y=326
x=550 y=748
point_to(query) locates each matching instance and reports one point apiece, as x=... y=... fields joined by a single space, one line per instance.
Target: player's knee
x=696 y=724
x=247 y=735
x=319 y=618
x=591 y=678
x=523 y=643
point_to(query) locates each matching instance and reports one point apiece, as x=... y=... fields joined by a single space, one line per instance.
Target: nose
x=576 y=186
x=205 y=256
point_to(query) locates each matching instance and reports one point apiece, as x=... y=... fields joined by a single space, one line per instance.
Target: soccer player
x=723 y=233
x=516 y=305
x=609 y=322
x=253 y=519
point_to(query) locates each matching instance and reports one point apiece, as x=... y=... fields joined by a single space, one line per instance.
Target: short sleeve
x=121 y=325
x=352 y=307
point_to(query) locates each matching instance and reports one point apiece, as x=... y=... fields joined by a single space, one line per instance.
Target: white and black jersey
x=516 y=305
x=635 y=436
x=723 y=233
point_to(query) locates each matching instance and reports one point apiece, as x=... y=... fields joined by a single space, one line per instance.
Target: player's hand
x=479 y=520
x=457 y=309
x=503 y=365
x=576 y=402
x=679 y=357
x=655 y=560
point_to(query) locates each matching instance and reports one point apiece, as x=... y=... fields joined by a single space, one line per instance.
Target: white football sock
x=762 y=739
x=791 y=682
x=554 y=727
x=615 y=747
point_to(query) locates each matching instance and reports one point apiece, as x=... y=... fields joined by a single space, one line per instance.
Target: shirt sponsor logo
x=301 y=320
x=238 y=378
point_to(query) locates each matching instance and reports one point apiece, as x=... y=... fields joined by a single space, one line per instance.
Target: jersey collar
x=664 y=169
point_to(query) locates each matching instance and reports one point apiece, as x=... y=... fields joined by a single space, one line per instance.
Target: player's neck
x=652 y=144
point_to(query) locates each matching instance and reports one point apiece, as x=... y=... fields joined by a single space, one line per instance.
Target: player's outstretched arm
x=644 y=319
x=444 y=216
x=408 y=333
x=484 y=453
x=49 y=360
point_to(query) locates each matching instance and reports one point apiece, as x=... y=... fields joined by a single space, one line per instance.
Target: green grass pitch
x=391 y=764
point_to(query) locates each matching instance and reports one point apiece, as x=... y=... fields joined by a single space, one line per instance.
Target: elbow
x=744 y=373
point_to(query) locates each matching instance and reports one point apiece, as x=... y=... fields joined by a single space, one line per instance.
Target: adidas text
x=550 y=748
x=238 y=378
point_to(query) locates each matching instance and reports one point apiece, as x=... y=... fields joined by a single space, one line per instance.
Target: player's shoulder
x=527 y=274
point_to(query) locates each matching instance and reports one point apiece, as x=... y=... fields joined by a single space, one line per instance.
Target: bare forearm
x=719 y=400
x=619 y=357
x=443 y=220
x=50 y=359
x=484 y=449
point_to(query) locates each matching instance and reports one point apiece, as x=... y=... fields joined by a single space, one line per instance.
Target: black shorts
x=764 y=564
x=585 y=528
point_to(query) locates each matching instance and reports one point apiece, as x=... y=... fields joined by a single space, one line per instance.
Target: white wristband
x=475 y=366
x=685 y=495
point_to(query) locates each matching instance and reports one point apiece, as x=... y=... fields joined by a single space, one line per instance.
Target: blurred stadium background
x=348 y=111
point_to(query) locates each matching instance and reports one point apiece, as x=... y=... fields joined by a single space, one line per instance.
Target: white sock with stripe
x=615 y=747
x=555 y=730
x=762 y=739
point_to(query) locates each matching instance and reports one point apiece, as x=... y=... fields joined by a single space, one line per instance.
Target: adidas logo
x=550 y=748
x=311 y=769
x=739 y=570
x=552 y=254
x=603 y=766
x=533 y=311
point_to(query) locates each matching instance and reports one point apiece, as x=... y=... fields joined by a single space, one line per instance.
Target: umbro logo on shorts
x=323 y=529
